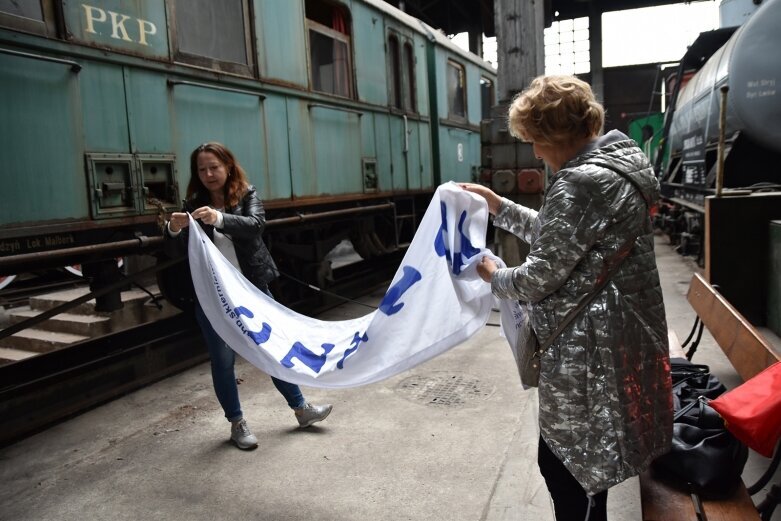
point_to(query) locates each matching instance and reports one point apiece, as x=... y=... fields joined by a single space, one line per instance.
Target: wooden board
x=748 y=351
x=662 y=502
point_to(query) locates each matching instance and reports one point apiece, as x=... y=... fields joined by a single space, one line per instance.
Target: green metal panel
x=367 y=135
x=774 y=279
x=427 y=168
x=474 y=105
x=41 y=136
x=654 y=124
x=460 y=150
x=337 y=151
x=278 y=184
x=414 y=168
x=203 y=114
x=421 y=74
x=369 y=153
x=440 y=70
x=382 y=143
x=147 y=105
x=279 y=26
x=136 y=26
x=105 y=114
x=302 y=165
x=398 y=159
x=369 y=49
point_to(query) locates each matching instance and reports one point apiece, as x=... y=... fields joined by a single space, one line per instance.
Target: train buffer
x=749 y=352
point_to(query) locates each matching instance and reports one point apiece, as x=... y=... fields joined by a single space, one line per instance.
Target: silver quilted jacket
x=605 y=397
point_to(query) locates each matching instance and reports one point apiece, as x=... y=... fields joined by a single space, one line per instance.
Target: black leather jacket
x=244 y=223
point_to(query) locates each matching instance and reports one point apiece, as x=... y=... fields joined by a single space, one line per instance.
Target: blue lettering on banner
x=357 y=339
x=440 y=246
x=307 y=357
x=466 y=251
x=257 y=336
x=389 y=304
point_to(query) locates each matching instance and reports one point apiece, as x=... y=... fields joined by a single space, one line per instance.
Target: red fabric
x=752 y=410
x=339 y=23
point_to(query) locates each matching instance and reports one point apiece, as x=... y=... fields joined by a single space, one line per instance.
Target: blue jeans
x=223 y=359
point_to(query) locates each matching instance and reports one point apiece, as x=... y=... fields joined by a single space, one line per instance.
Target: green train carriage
x=346 y=115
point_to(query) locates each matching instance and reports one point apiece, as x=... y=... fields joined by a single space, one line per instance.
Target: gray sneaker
x=241 y=435
x=309 y=414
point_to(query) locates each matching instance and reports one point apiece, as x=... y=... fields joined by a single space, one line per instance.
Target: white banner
x=435 y=301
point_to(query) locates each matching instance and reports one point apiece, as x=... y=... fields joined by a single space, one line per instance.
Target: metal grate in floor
x=444 y=389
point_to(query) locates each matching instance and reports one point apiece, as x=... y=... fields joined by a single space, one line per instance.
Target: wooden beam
x=748 y=351
x=662 y=501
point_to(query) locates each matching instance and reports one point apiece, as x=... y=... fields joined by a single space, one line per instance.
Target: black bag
x=704 y=454
x=690 y=381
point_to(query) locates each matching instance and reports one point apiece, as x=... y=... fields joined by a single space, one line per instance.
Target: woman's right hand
x=178 y=221
x=493 y=200
x=486 y=269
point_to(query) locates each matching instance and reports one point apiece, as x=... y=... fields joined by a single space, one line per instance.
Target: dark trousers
x=569 y=499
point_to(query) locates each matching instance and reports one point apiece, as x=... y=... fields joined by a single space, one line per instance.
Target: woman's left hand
x=486 y=269
x=206 y=214
x=494 y=201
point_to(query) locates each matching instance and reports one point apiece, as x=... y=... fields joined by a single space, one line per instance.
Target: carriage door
x=403 y=107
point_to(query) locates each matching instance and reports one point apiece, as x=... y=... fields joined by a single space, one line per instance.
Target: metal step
x=134 y=297
x=40 y=341
x=137 y=307
x=9 y=355
x=74 y=324
x=82 y=321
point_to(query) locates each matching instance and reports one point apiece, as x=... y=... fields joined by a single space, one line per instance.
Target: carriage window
x=486 y=96
x=402 y=74
x=31 y=10
x=456 y=90
x=395 y=71
x=34 y=16
x=213 y=34
x=329 y=48
x=409 y=87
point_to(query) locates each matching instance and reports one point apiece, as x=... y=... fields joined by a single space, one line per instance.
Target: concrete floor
x=383 y=454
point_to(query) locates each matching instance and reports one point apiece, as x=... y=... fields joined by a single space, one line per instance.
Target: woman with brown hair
x=605 y=401
x=228 y=209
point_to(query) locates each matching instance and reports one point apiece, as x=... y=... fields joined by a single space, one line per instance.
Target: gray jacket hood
x=616 y=151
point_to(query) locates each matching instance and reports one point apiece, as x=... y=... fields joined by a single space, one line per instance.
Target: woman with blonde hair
x=605 y=406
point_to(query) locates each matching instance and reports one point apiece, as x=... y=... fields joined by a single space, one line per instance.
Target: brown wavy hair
x=554 y=110
x=236 y=185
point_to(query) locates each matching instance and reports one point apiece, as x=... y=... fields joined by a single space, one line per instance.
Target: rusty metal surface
x=27 y=261
x=303 y=218
x=41 y=390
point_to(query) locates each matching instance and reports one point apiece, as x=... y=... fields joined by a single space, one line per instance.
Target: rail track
x=40 y=391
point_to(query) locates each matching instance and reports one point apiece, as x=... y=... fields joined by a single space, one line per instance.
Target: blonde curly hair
x=554 y=110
